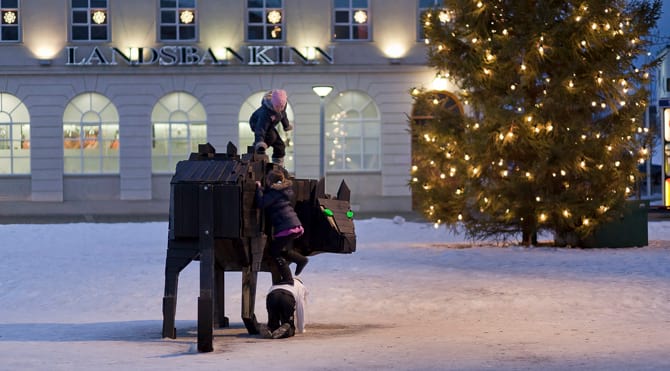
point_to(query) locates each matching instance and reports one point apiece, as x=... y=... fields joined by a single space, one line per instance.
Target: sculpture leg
x=256 y=247
x=179 y=255
x=206 y=245
x=170 y=304
x=220 y=319
x=249 y=279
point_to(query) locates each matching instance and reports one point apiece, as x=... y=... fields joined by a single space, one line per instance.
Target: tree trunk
x=529 y=236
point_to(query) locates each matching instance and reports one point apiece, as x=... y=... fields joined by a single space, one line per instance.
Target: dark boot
x=283 y=331
x=299 y=260
x=284 y=272
x=264 y=331
x=300 y=265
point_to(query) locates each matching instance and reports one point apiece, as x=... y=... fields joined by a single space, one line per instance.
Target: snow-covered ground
x=88 y=297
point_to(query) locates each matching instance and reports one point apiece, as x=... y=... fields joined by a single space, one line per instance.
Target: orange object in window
x=71 y=143
x=91 y=140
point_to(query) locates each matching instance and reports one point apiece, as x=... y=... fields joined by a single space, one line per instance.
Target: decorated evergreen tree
x=552 y=130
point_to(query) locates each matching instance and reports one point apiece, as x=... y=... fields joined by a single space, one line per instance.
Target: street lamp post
x=322 y=91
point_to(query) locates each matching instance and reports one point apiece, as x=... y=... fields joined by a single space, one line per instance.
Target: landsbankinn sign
x=186 y=55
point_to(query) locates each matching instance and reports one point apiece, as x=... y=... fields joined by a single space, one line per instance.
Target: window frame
x=420 y=36
x=90 y=24
x=5 y=26
x=265 y=24
x=351 y=23
x=160 y=24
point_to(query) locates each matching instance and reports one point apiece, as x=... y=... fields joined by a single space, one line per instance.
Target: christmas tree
x=551 y=130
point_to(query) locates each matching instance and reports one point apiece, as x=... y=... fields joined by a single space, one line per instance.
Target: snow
x=89 y=297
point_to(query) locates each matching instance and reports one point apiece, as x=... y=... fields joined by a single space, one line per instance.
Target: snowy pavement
x=88 y=296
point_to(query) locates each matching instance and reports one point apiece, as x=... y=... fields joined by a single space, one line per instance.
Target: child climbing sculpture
x=275 y=199
x=263 y=123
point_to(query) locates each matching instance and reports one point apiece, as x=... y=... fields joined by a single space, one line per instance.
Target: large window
x=246 y=136
x=353 y=133
x=14 y=136
x=90 y=135
x=265 y=20
x=10 y=23
x=178 y=20
x=179 y=124
x=351 y=20
x=424 y=6
x=89 y=20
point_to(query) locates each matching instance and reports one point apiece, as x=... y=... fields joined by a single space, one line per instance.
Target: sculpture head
x=328 y=221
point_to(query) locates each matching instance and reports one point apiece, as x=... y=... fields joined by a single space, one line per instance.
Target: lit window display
x=89 y=20
x=9 y=21
x=265 y=20
x=14 y=136
x=353 y=133
x=351 y=20
x=178 y=20
x=90 y=135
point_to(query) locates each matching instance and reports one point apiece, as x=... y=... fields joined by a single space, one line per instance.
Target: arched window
x=353 y=132
x=427 y=102
x=179 y=124
x=14 y=136
x=247 y=136
x=90 y=135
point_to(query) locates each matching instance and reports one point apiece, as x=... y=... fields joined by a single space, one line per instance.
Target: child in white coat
x=286 y=306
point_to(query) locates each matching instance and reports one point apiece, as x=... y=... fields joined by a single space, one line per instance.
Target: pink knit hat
x=279 y=100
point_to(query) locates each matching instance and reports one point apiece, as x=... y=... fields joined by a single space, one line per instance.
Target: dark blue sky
x=664 y=22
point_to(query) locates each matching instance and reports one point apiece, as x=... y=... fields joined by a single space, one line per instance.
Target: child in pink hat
x=263 y=123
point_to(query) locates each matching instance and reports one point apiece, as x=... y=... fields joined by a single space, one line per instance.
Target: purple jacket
x=276 y=200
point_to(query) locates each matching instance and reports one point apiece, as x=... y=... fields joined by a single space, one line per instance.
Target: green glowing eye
x=328 y=212
x=350 y=214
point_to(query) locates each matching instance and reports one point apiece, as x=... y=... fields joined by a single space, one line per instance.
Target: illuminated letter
x=168 y=56
x=237 y=56
x=209 y=54
x=189 y=55
x=72 y=56
x=152 y=60
x=96 y=56
x=257 y=55
x=125 y=57
x=328 y=57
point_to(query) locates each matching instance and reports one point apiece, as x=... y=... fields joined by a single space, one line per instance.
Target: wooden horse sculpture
x=213 y=219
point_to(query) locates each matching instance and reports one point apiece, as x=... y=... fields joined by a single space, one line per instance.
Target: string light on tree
x=537 y=142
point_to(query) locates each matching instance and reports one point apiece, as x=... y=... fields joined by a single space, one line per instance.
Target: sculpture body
x=213 y=219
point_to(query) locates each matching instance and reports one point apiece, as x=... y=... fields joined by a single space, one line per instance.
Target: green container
x=628 y=231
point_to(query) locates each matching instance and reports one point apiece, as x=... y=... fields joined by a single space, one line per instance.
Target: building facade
x=99 y=99
x=662 y=93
